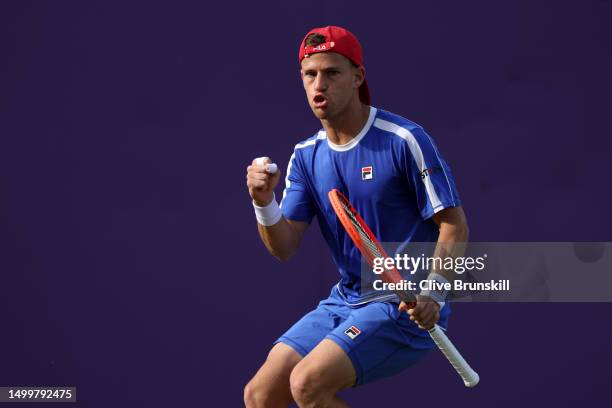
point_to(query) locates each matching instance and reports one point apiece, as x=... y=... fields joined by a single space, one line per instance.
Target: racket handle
x=468 y=375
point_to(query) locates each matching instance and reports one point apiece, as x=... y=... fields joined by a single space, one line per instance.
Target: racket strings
x=371 y=246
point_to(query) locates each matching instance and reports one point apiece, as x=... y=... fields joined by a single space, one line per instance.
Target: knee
x=305 y=387
x=255 y=395
x=249 y=395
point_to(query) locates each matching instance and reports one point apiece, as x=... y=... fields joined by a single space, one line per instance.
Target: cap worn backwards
x=340 y=41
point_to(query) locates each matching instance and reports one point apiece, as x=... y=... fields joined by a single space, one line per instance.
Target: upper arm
x=297 y=203
x=429 y=174
x=283 y=238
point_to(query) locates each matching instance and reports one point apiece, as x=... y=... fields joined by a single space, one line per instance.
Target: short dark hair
x=314 y=39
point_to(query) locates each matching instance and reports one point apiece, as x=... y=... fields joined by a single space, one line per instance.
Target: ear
x=359 y=76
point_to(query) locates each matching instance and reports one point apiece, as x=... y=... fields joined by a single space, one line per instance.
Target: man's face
x=330 y=81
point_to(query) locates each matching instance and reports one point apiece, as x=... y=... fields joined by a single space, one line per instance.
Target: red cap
x=343 y=42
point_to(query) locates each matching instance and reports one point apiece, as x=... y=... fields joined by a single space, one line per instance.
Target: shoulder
x=396 y=124
x=307 y=146
x=311 y=141
x=406 y=134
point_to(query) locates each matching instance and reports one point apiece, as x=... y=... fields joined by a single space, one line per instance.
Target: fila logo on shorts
x=367 y=173
x=352 y=332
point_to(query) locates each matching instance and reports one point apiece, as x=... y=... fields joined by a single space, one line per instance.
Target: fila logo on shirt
x=367 y=173
x=352 y=332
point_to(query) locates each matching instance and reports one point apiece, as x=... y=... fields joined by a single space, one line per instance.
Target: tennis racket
x=370 y=248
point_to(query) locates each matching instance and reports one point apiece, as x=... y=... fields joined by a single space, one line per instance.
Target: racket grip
x=468 y=375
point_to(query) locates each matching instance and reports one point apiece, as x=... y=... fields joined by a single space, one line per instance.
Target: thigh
x=272 y=378
x=278 y=365
x=327 y=368
x=375 y=339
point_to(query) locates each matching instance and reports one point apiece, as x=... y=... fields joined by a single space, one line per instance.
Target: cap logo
x=310 y=49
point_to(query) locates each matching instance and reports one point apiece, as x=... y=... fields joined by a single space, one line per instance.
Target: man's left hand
x=426 y=312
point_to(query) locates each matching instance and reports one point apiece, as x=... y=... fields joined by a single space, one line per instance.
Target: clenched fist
x=261 y=181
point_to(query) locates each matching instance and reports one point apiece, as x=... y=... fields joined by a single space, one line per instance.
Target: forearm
x=281 y=239
x=281 y=236
x=452 y=242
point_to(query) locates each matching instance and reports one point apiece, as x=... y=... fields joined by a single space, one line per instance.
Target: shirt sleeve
x=297 y=202
x=430 y=175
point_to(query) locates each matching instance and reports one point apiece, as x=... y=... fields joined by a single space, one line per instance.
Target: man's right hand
x=260 y=183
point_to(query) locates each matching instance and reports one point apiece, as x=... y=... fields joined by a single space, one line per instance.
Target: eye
x=310 y=74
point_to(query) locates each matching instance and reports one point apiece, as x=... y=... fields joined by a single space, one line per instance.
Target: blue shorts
x=379 y=340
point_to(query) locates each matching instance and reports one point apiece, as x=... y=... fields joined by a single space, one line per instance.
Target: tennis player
x=396 y=178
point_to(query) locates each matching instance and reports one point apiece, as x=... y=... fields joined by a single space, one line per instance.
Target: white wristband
x=268 y=215
x=437 y=295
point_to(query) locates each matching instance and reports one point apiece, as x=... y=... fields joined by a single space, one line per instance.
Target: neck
x=343 y=128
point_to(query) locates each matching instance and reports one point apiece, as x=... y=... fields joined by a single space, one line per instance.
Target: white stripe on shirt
x=417 y=154
x=321 y=135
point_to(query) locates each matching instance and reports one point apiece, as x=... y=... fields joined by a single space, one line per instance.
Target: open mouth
x=319 y=101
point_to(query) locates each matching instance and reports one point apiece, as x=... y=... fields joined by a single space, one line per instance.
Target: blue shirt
x=392 y=173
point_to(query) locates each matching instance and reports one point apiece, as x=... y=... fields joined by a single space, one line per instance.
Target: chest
x=367 y=176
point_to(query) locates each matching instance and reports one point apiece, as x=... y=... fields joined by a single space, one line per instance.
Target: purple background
x=130 y=263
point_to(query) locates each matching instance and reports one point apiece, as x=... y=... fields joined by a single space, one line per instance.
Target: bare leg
x=320 y=375
x=269 y=388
